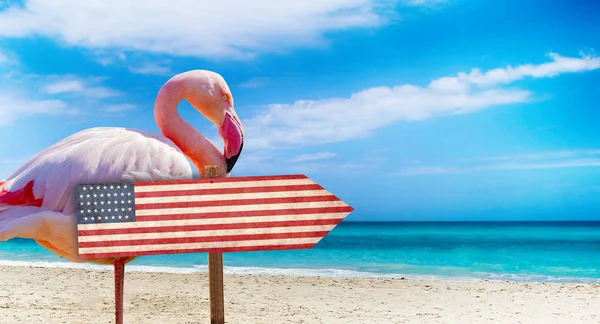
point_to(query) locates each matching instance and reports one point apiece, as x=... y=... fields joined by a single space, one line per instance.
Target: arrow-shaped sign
x=204 y=215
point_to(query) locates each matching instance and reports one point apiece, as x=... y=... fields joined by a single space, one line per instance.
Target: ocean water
x=535 y=251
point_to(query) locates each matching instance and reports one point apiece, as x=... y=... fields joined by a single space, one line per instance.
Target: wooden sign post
x=214 y=215
x=119 y=273
x=215 y=272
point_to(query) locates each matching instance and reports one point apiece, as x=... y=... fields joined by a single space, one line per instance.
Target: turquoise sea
x=518 y=251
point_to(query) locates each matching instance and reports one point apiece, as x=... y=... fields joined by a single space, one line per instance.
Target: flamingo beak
x=232 y=133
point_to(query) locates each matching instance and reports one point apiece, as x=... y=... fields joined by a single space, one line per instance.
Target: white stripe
x=221 y=197
x=207 y=233
x=238 y=208
x=223 y=185
x=203 y=245
x=212 y=221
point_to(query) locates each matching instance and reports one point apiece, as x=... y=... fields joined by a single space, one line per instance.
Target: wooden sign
x=204 y=215
x=213 y=215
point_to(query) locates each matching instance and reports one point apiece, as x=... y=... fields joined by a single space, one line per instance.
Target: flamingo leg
x=119 y=283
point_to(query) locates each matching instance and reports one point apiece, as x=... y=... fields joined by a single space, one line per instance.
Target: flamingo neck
x=191 y=142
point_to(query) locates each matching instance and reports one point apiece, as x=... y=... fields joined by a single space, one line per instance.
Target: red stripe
x=223 y=191
x=230 y=249
x=209 y=227
x=220 y=180
x=203 y=239
x=248 y=213
x=236 y=202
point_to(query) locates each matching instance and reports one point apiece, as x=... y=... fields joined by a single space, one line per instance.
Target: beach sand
x=54 y=295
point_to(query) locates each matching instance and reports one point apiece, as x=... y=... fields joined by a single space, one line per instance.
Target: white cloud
x=151 y=69
x=262 y=162
x=335 y=120
x=14 y=106
x=3 y=58
x=569 y=163
x=309 y=122
x=541 y=155
x=120 y=108
x=558 y=65
x=432 y=170
x=27 y=95
x=7 y=59
x=424 y=2
x=108 y=57
x=312 y=157
x=16 y=102
x=72 y=85
x=212 y=29
x=541 y=160
x=63 y=86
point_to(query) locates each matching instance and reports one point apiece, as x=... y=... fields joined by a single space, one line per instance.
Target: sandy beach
x=53 y=295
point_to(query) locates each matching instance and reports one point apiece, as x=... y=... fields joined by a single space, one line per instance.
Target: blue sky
x=407 y=109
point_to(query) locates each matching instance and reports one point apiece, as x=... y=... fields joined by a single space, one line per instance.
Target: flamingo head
x=212 y=98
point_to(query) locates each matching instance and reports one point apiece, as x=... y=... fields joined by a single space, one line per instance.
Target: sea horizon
x=520 y=251
x=345 y=221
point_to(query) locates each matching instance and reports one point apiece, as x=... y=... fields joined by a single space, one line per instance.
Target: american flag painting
x=204 y=215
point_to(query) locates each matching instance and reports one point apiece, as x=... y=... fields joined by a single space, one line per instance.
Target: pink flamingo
x=37 y=201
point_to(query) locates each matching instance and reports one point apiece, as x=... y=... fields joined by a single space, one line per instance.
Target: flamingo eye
x=225 y=97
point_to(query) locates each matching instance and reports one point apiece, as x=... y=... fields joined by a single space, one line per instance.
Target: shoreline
x=66 y=295
x=300 y=272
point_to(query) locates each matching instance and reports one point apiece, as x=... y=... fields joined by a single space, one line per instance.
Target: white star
x=102 y=210
x=118 y=187
x=89 y=203
x=92 y=218
x=89 y=210
x=120 y=216
x=109 y=210
x=95 y=210
x=112 y=187
x=122 y=209
x=129 y=194
x=84 y=188
x=116 y=202
x=95 y=195
x=80 y=196
x=113 y=217
x=129 y=209
x=122 y=194
x=101 y=195
x=95 y=203
x=81 y=203
x=122 y=201
x=85 y=218
x=125 y=186
x=126 y=216
x=82 y=211
x=88 y=196
x=105 y=217
x=104 y=187
x=98 y=187
x=129 y=201
x=108 y=202
x=108 y=195
x=102 y=203
x=91 y=188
